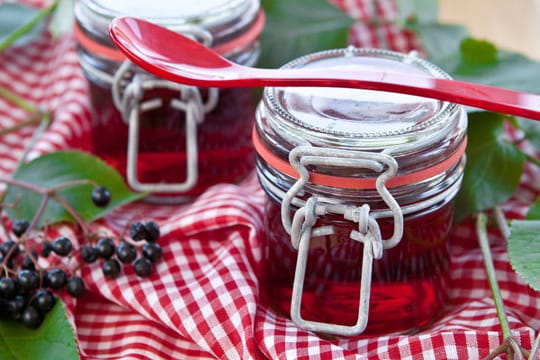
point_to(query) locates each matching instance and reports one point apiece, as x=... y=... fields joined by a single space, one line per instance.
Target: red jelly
x=360 y=189
x=171 y=140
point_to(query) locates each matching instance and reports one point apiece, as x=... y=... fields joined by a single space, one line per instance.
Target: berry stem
x=51 y=192
x=54 y=189
x=73 y=213
x=37 y=216
x=25 y=185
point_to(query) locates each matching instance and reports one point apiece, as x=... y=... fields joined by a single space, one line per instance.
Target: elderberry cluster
x=29 y=288
x=27 y=291
x=114 y=255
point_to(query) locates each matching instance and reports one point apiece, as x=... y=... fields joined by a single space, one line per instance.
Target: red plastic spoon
x=178 y=58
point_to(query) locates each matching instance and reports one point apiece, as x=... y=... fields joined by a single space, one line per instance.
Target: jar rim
x=326 y=129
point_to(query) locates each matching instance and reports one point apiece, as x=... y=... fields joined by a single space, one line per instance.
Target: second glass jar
x=168 y=139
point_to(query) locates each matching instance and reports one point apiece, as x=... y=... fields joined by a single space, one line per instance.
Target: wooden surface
x=510 y=24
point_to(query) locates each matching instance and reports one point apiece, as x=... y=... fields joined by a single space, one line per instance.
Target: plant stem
x=481 y=232
x=33 y=119
x=17 y=100
x=501 y=222
x=71 y=183
x=47 y=193
x=23 y=29
x=45 y=122
x=532 y=159
x=73 y=213
x=535 y=348
x=38 y=214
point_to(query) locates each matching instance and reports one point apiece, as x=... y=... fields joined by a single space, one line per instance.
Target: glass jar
x=169 y=139
x=360 y=187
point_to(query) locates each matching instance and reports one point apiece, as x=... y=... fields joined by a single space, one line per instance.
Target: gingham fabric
x=203 y=299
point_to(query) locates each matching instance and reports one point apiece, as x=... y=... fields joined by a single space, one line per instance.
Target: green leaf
x=524 y=250
x=441 y=42
x=297 y=28
x=62 y=19
x=56 y=168
x=54 y=339
x=494 y=165
x=534 y=211
x=418 y=11
x=478 y=51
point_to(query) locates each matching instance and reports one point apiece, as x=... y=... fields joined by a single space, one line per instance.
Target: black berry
x=101 y=196
x=152 y=231
x=111 y=268
x=19 y=227
x=152 y=251
x=8 y=288
x=126 y=253
x=6 y=246
x=28 y=262
x=27 y=280
x=89 y=253
x=44 y=300
x=16 y=305
x=137 y=231
x=56 y=278
x=142 y=267
x=61 y=246
x=46 y=250
x=75 y=286
x=31 y=317
x=105 y=247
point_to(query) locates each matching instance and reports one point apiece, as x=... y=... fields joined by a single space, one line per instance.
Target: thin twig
x=38 y=214
x=481 y=232
x=509 y=346
x=34 y=118
x=45 y=122
x=73 y=213
x=501 y=222
x=536 y=346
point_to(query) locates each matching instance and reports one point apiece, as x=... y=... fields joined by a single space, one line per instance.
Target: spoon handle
x=465 y=93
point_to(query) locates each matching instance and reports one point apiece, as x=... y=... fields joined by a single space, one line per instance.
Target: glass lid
x=193 y=11
x=354 y=113
x=175 y=15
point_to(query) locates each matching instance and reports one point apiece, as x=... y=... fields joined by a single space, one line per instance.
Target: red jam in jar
x=360 y=187
x=168 y=139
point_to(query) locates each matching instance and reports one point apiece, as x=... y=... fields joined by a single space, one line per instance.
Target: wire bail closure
x=131 y=103
x=302 y=227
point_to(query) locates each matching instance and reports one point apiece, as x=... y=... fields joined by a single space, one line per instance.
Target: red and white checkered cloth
x=203 y=300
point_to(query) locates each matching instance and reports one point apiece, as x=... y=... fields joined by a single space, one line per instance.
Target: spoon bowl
x=178 y=58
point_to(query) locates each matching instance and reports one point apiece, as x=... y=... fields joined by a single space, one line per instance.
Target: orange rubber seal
x=355 y=183
x=110 y=53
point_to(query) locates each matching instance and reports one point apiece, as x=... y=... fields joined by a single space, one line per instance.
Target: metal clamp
x=134 y=105
x=131 y=103
x=301 y=228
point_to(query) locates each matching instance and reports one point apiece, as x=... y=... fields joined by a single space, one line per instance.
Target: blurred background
x=509 y=24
